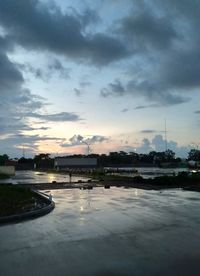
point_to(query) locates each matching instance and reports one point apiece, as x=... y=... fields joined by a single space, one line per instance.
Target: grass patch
x=4 y=176
x=15 y=200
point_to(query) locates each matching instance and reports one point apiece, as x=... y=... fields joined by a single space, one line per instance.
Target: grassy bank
x=180 y=181
x=15 y=200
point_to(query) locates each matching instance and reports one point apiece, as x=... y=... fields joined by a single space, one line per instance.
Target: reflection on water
x=23 y=177
x=116 y=209
x=121 y=230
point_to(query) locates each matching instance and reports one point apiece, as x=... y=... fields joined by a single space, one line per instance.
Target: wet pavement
x=107 y=232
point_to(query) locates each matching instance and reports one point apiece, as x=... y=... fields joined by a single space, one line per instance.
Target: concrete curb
x=31 y=214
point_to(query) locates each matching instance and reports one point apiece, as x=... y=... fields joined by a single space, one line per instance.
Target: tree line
x=45 y=160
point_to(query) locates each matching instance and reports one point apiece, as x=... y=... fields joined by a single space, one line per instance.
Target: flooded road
x=107 y=232
x=23 y=177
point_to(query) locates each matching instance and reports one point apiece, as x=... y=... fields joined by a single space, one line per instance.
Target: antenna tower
x=165 y=135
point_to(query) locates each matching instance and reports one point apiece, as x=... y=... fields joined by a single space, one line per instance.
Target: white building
x=8 y=170
x=76 y=162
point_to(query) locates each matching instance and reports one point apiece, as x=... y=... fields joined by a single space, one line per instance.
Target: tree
x=169 y=155
x=3 y=159
x=43 y=161
x=194 y=154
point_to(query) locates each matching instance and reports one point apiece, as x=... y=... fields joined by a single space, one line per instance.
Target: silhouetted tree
x=194 y=154
x=3 y=159
x=43 y=161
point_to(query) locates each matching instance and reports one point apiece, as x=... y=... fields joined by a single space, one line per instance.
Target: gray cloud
x=145 y=146
x=77 y=140
x=22 y=139
x=146 y=106
x=197 y=112
x=157 y=143
x=12 y=145
x=153 y=92
x=57 y=117
x=16 y=125
x=124 y=110
x=115 y=88
x=78 y=92
x=140 y=107
x=84 y=84
x=55 y=67
x=37 y=26
x=148 y=131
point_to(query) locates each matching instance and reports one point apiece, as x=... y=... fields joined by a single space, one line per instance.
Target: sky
x=103 y=73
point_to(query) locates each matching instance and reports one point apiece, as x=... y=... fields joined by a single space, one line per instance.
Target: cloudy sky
x=107 y=73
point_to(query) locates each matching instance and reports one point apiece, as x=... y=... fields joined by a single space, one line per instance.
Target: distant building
x=8 y=170
x=11 y=163
x=19 y=165
x=62 y=163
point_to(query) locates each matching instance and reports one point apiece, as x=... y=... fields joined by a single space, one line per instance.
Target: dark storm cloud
x=38 y=27
x=147 y=29
x=164 y=38
x=10 y=76
x=14 y=98
x=6 y=44
x=181 y=70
